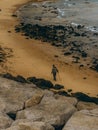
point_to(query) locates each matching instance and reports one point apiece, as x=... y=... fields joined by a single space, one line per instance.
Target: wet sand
x=34 y=58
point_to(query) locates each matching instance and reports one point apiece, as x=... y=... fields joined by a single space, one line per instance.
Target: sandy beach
x=35 y=58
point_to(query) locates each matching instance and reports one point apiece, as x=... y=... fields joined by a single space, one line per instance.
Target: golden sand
x=35 y=58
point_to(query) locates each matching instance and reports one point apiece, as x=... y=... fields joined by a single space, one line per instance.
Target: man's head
x=53 y=65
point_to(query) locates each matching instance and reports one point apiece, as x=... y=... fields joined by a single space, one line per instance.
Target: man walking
x=54 y=71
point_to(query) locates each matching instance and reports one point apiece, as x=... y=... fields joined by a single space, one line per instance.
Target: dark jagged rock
x=64 y=93
x=44 y=84
x=80 y=26
x=49 y=33
x=69 y=90
x=20 y=79
x=67 y=53
x=8 y=76
x=41 y=83
x=58 y=36
x=58 y=86
x=84 y=54
x=96 y=67
x=83 y=97
x=77 y=34
x=76 y=59
x=94 y=64
x=32 y=79
x=81 y=66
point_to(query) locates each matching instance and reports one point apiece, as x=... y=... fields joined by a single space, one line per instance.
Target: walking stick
x=61 y=79
x=59 y=76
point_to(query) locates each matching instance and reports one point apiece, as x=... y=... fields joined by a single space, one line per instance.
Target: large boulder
x=2 y=104
x=30 y=125
x=51 y=110
x=13 y=95
x=12 y=128
x=5 y=121
x=71 y=100
x=83 y=120
x=35 y=99
x=86 y=105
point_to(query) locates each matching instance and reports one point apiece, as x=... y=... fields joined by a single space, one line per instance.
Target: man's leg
x=54 y=75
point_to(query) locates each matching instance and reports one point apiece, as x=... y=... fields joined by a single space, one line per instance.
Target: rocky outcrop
x=86 y=105
x=5 y=121
x=83 y=120
x=25 y=106
x=51 y=110
x=71 y=100
x=67 y=38
x=13 y=95
x=34 y=100
x=51 y=23
x=30 y=125
x=84 y=97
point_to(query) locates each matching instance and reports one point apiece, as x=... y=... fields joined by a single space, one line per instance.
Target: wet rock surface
x=57 y=24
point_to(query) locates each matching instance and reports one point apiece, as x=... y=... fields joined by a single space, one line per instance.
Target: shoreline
x=33 y=58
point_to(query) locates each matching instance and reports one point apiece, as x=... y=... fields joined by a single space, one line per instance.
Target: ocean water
x=68 y=13
x=75 y=12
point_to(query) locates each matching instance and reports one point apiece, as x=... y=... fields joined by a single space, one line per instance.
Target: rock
x=44 y=84
x=83 y=97
x=84 y=54
x=8 y=76
x=20 y=79
x=51 y=110
x=96 y=67
x=35 y=126
x=58 y=86
x=64 y=93
x=86 y=105
x=2 y=105
x=67 y=53
x=76 y=59
x=13 y=128
x=35 y=99
x=13 y=95
x=30 y=125
x=41 y=83
x=32 y=79
x=5 y=121
x=71 y=100
x=83 y=120
x=81 y=66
